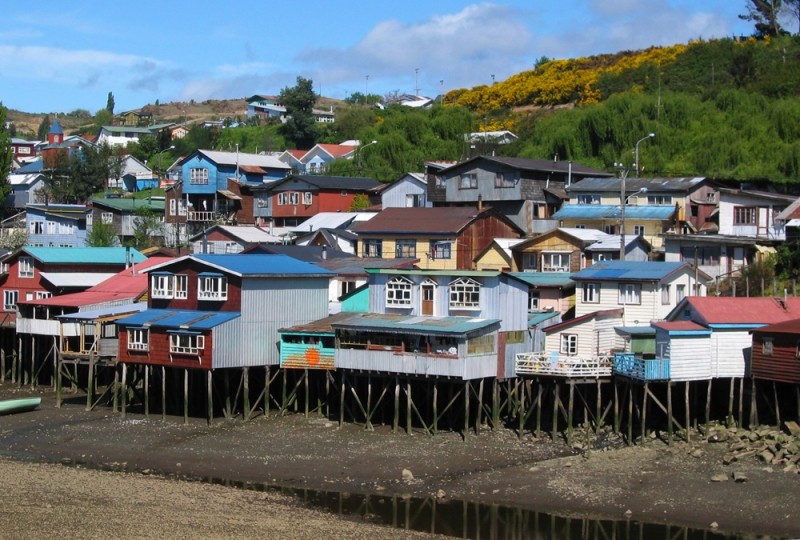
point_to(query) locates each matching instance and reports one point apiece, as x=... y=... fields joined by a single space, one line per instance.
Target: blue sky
x=61 y=56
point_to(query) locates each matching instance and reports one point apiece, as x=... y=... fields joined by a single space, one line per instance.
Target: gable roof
x=612 y=211
x=250 y=234
x=255 y=265
x=329 y=182
x=332 y=220
x=232 y=158
x=786 y=327
x=538 y=165
x=83 y=255
x=618 y=312
x=658 y=185
x=632 y=271
x=584 y=236
x=728 y=310
x=420 y=220
x=336 y=151
x=130 y=204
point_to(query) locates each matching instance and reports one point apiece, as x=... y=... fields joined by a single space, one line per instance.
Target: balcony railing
x=541 y=363
x=202 y=216
x=642 y=369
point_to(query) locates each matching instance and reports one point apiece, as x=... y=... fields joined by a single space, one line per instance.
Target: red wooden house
x=776 y=352
x=299 y=197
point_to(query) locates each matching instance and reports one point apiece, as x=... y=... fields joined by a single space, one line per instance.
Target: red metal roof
x=337 y=150
x=672 y=326
x=741 y=310
x=129 y=283
x=447 y=220
x=785 y=327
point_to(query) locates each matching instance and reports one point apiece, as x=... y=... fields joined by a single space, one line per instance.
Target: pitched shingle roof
x=420 y=220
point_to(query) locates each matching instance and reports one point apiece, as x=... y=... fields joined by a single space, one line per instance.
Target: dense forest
x=727 y=109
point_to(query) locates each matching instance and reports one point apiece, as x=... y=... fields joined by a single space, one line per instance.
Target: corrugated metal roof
x=321 y=326
x=741 y=310
x=636 y=330
x=538 y=317
x=629 y=270
x=546 y=279
x=420 y=220
x=612 y=242
x=348 y=266
x=179 y=319
x=130 y=205
x=610 y=211
x=232 y=158
x=405 y=324
x=138 y=307
x=82 y=255
x=453 y=273
x=262 y=265
x=786 y=327
x=541 y=165
x=328 y=182
x=246 y=233
x=632 y=185
x=680 y=326
x=332 y=220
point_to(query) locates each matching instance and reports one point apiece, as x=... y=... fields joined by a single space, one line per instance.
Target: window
x=766 y=346
x=182 y=207
x=414 y=200
x=638 y=230
x=37 y=227
x=591 y=293
x=662 y=200
x=506 y=180
x=138 y=339
x=569 y=344
x=555 y=262
x=680 y=292
x=630 y=293
x=529 y=262
x=481 y=345
x=294 y=198
x=163 y=286
x=262 y=201
x=181 y=288
x=610 y=229
x=588 y=198
x=533 y=301
x=107 y=217
x=405 y=248
x=25 y=266
x=398 y=292
x=40 y=295
x=372 y=248
x=516 y=336
x=711 y=197
x=440 y=249
x=283 y=199
x=465 y=294
x=173 y=206
x=212 y=287
x=439 y=181
x=10 y=300
x=198 y=176
x=745 y=215
x=89 y=219
x=307 y=197
x=52 y=227
x=468 y=181
x=186 y=343
x=665 y=294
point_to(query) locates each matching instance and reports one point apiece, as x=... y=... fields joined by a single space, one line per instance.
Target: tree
x=103 y=118
x=15 y=240
x=300 y=128
x=101 y=235
x=148 y=228
x=44 y=129
x=764 y=16
x=5 y=156
x=792 y=7
x=360 y=202
x=110 y=103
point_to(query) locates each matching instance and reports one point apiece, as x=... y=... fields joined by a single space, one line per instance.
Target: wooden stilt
x=124 y=395
x=753 y=404
x=644 y=415
x=539 y=404
x=599 y=406
x=341 y=400
x=479 y=408
x=708 y=408
x=185 y=396
x=616 y=407
x=266 y=391
x=556 y=402
x=368 y=411
x=59 y=381
x=210 y=397
x=669 y=413
x=741 y=404
x=777 y=404
x=495 y=404
x=435 y=407
x=163 y=393
x=521 y=409
x=147 y=390
x=246 y=395
x=467 y=390
x=630 y=413
x=688 y=413
x=284 y=404
x=409 y=403
x=730 y=401
x=396 y=416
x=226 y=381
x=305 y=387
x=570 y=405
x=29 y=375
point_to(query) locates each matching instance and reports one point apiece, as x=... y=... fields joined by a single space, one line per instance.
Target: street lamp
x=160 y=168
x=636 y=152
x=623 y=201
x=360 y=150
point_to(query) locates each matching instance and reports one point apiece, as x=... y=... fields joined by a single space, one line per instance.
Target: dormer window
x=465 y=294
x=212 y=286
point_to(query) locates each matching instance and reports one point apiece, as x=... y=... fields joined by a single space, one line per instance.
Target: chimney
x=324 y=252
x=127 y=257
x=480 y=203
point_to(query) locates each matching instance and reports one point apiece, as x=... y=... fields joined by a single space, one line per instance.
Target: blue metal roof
x=179 y=319
x=536 y=317
x=546 y=279
x=629 y=271
x=611 y=211
x=245 y=264
x=85 y=255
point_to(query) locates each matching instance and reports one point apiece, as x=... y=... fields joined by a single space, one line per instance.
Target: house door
x=427 y=299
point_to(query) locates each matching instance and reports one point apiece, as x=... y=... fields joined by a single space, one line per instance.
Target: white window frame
x=138 y=339
x=530 y=261
x=767 y=346
x=638 y=230
x=52 y=227
x=630 y=294
x=282 y=198
x=198 y=175
x=569 y=344
x=680 y=292
x=37 y=227
x=186 y=343
x=182 y=207
x=468 y=181
x=666 y=293
x=398 y=292
x=308 y=198
x=25 y=267
x=591 y=293
x=548 y=258
x=173 y=207
x=534 y=301
x=10 y=299
x=588 y=198
x=465 y=293
x=181 y=286
x=212 y=288
x=163 y=287
x=41 y=295
x=294 y=198
x=107 y=217
x=659 y=200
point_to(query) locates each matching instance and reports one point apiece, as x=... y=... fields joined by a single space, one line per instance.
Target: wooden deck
x=561 y=365
x=642 y=369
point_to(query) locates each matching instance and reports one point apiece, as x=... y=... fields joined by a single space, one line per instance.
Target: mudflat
x=47 y=455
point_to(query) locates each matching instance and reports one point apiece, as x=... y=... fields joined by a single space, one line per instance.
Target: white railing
x=201 y=216
x=541 y=363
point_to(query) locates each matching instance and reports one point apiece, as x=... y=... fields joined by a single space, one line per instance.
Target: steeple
x=56 y=135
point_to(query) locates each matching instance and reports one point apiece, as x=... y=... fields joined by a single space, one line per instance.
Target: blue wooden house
x=56 y=225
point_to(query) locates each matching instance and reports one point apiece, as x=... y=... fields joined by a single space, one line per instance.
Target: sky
x=58 y=56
